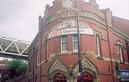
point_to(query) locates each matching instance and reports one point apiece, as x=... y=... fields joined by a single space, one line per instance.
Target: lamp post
x=67 y=6
x=79 y=50
x=79 y=47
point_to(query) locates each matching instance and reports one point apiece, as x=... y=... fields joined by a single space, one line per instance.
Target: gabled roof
x=121 y=24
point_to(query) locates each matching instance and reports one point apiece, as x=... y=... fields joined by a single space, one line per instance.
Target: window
x=120 y=51
x=98 y=44
x=59 y=77
x=75 y=42
x=86 y=77
x=64 y=43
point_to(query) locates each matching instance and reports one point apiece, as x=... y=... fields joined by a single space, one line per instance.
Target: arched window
x=59 y=77
x=86 y=77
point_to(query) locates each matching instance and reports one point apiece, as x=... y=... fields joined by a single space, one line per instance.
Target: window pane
x=75 y=42
x=64 y=43
x=64 y=46
x=64 y=38
x=120 y=52
x=75 y=45
x=98 y=44
x=74 y=37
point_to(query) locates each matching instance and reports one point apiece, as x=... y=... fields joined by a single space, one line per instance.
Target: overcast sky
x=19 y=18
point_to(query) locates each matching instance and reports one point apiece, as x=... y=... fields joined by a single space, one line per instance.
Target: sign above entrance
x=66 y=31
x=64 y=24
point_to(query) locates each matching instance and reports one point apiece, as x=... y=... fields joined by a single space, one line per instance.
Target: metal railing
x=13 y=48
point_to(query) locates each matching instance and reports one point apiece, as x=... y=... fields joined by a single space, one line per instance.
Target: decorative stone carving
x=87 y=66
x=68 y=4
x=57 y=66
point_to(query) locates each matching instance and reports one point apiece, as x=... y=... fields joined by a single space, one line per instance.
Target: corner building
x=104 y=44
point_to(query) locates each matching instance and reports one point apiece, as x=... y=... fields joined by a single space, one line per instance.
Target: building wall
x=4 y=73
x=45 y=49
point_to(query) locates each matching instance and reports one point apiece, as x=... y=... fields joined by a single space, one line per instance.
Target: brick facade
x=100 y=56
x=4 y=73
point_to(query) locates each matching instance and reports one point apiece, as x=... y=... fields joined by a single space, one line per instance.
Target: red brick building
x=104 y=44
x=4 y=73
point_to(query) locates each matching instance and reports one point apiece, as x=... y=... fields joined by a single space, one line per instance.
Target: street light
x=71 y=6
x=79 y=50
x=78 y=37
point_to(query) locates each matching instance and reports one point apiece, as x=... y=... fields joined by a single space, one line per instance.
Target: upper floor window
x=64 y=43
x=120 y=51
x=75 y=42
x=98 y=44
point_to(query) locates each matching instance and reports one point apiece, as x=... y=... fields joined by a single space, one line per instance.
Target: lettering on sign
x=64 y=24
x=68 y=24
x=72 y=13
x=65 y=31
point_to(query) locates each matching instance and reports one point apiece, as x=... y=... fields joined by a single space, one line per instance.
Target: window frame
x=120 y=51
x=73 y=41
x=64 y=42
x=98 y=44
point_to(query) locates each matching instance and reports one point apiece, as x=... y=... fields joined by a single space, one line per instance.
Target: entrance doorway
x=59 y=77
x=86 y=77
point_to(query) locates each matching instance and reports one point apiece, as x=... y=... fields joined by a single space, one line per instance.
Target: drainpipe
x=33 y=76
x=46 y=50
x=108 y=25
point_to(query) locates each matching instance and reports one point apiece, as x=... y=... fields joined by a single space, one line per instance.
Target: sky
x=19 y=18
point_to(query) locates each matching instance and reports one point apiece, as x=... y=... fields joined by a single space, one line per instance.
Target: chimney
x=92 y=1
x=108 y=14
x=40 y=22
